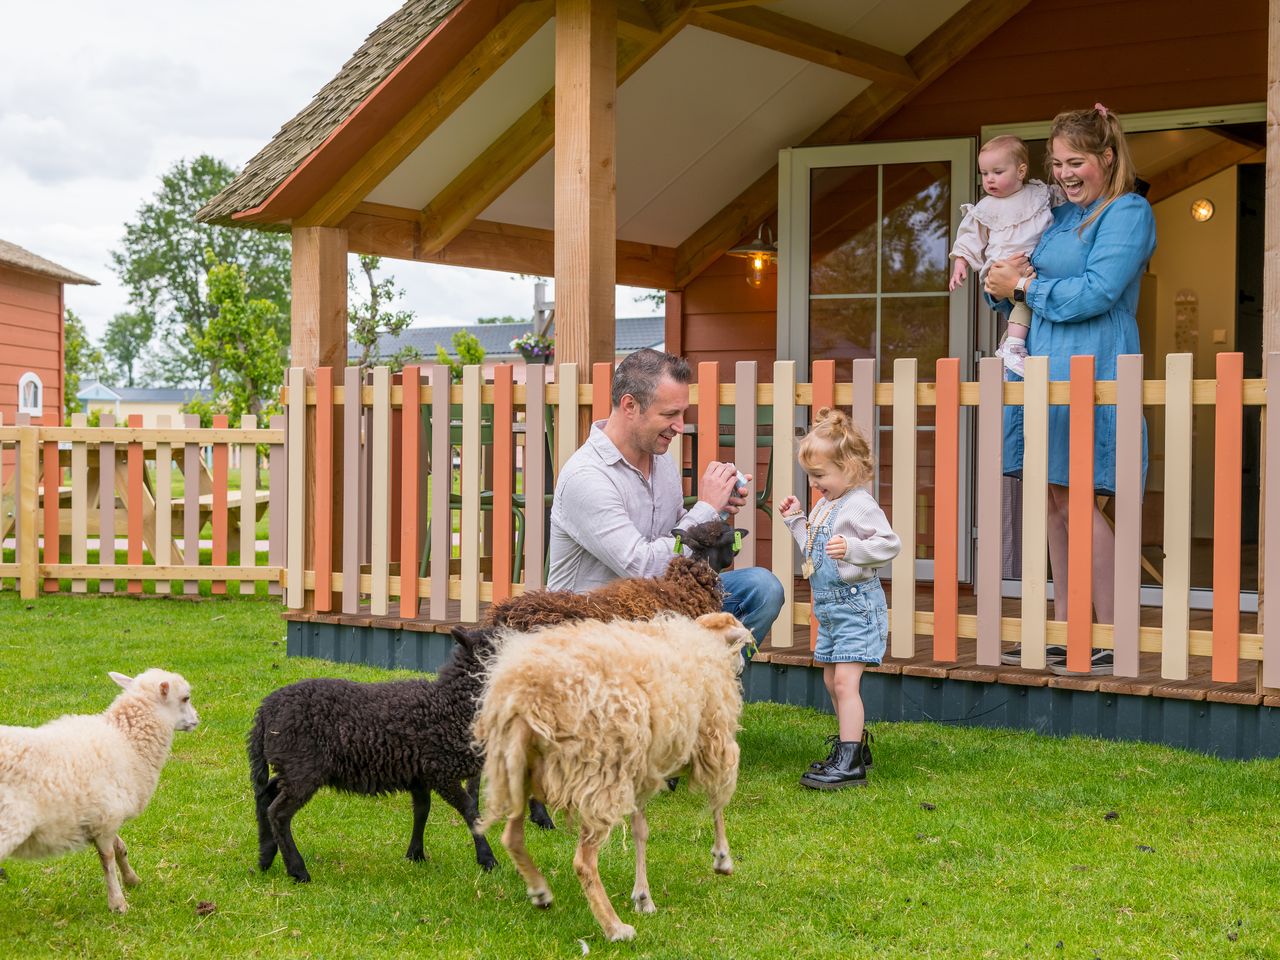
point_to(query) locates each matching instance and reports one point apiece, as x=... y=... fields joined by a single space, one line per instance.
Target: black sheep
x=371 y=738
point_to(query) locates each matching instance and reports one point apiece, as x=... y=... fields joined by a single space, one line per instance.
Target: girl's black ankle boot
x=844 y=770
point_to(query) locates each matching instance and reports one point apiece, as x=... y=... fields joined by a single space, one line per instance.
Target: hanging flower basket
x=535 y=348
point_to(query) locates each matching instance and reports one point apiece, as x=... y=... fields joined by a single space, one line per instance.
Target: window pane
x=842 y=230
x=842 y=330
x=916 y=227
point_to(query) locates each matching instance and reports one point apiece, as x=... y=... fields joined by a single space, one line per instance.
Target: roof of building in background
x=12 y=255
x=97 y=390
x=632 y=334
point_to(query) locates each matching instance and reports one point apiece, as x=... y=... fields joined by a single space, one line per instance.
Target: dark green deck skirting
x=1228 y=730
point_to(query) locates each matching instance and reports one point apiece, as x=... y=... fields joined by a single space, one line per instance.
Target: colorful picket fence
x=63 y=488
x=500 y=445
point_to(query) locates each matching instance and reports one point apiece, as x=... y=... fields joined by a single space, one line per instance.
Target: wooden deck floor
x=1199 y=686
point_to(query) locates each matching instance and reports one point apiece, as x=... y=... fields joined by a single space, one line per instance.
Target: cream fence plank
x=164 y=505
x=248 y=502
x=784 y=482
x=902 y=637
x=1271 y=530
x=380 y=495
x=107 y=505
x=351 y=502
x=1177 y=515
x=1128 y=511
x=567 y=414
x=441 y=490
x=191 y=473
x=29 y=475
x=80 y=503
x=535 y=465
x=990 y=505
x=472 y=482
x=278 y=509
x=1035 y=493
x=296 y=593
x=863 y=409
x=744 y=452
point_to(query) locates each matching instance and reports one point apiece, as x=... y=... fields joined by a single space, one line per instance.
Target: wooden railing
x=381 y=504
x=66 y=487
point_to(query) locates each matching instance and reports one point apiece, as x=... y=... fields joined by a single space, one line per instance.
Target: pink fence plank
x=352 y=501
x=220 y=520
x=192 y=471
x=52 y=472
x=278 y=505
x=134 y=459
x=946 y=577
x=410 y=465
x=1128 y=512
x=535 y=465
x=1271 y=527
x=107 y=505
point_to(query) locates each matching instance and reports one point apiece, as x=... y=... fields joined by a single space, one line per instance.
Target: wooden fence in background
x=64 y=488
x=486 y=453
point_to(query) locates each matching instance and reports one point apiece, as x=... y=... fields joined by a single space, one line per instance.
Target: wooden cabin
x=649 y=142
x=31 y=345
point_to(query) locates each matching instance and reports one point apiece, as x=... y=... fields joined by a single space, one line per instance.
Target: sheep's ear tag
x=737 y=540
x=679 y=547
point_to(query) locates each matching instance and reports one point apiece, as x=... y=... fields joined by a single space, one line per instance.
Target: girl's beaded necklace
x=806 y=568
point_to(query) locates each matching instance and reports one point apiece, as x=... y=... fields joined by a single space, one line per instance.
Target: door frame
x=795 y=164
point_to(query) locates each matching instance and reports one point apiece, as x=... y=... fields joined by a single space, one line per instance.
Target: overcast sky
x=98 y=99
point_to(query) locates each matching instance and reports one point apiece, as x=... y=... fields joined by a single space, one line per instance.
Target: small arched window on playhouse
x=30 y=394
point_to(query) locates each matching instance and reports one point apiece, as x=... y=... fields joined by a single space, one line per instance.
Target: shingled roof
x=12 y=255
x=393 y=40
x=631 y=334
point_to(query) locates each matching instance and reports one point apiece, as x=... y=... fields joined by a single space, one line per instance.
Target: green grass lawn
x=968 y=843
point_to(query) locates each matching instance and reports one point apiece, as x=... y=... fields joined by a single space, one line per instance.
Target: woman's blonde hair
x=1015 y=147
x=834 y=437
x=1094 y=132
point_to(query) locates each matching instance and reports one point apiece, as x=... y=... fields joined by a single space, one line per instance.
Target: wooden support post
x=318 y=338
x=585 y=179
x=1270 y=282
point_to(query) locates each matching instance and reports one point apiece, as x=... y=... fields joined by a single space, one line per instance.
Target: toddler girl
x=845 y=539
x=1006 y=223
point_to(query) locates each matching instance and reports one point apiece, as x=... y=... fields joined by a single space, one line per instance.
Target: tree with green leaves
x=506 y=319
x=161 y=264
x=241 y=347
x=466 y=348
x=125 y=344
x=80 y=359
x=370 y=317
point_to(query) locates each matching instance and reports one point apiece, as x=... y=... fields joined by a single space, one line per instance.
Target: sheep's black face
x=473 y=644
x=713 y=542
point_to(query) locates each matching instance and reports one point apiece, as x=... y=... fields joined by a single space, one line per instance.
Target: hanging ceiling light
x=760 y=252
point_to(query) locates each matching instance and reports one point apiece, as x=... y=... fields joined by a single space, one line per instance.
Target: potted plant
x=534 y=347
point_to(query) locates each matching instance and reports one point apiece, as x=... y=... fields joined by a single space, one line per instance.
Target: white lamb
x=76 y=779
x=592 y=718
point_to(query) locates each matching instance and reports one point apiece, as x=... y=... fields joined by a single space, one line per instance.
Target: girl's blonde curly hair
x=835 y=437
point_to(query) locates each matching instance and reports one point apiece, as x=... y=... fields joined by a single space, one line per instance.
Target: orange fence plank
x=946 y=530
x=52 y=482
x=219 y=520
x=410 y=470
x=504 y=415
x=1227 y=460
x=323 y=505
x=1080 y=509
x=601 y=385
x=824 y=395
x=136 y=493
x=708 y=423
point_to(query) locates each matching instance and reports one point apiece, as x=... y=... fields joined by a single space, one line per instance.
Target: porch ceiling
x=698 y=123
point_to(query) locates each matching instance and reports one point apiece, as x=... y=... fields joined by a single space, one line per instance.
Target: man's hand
x=789 y=506
x=836 y=548
x=719 y=488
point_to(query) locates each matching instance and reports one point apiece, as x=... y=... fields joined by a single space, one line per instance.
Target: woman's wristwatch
x=1020 y=290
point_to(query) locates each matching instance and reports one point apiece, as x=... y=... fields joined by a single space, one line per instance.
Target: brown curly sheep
x=690 y=586
x=592 y=717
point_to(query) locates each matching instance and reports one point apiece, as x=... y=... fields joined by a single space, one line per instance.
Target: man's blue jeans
x=754 y=596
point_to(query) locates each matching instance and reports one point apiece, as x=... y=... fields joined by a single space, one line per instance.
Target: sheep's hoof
x=722 y=862
x=417 y=856
x=120 y=907
x=539 y=815
x=487 y=862
x=623 y=931
x=132 y=880
x=643 y=903
x=540 y=898
x=302 y=877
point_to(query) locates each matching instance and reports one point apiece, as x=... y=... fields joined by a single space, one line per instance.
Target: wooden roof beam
x=765 y=28
x=439 y=103
x=1207 y=163
x=635 y=21
x=932 y=57
x=515 y=150
x=389 y=231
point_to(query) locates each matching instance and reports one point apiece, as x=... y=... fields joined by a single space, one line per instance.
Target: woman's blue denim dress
x=853 y=618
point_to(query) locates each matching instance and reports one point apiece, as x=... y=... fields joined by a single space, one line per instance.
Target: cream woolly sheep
x=76 y=779
x=593 y=717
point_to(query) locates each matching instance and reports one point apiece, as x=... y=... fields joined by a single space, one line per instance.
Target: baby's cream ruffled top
x=996 y=228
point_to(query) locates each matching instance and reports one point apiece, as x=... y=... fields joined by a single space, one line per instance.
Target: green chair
x=727 y=438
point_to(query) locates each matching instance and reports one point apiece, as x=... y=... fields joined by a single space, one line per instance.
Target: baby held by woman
x=1006 y=223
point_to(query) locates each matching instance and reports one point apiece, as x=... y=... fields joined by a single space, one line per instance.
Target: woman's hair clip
x=1101 y=109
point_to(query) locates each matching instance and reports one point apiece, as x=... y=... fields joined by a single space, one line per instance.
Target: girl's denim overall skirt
x=853 y=618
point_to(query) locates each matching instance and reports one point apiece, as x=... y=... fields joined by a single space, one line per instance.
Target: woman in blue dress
x=1082 y=288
